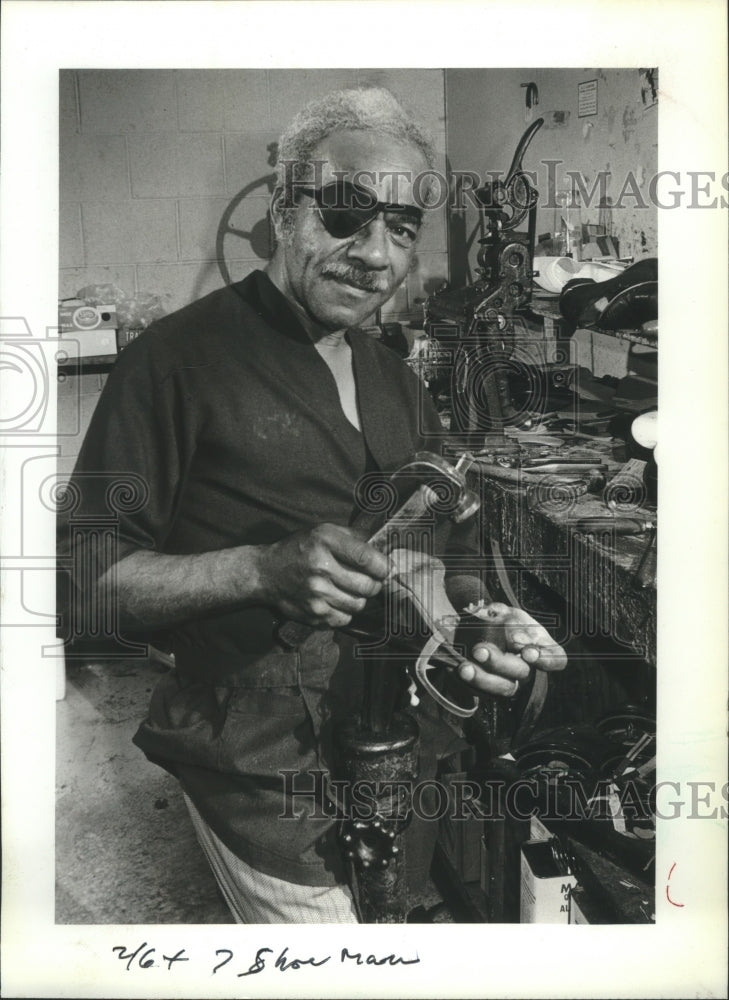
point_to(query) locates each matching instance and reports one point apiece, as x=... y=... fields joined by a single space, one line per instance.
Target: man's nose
x=370 y=246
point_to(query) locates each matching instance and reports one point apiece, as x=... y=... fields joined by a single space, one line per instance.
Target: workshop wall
x=150 y=160
x=486 y=115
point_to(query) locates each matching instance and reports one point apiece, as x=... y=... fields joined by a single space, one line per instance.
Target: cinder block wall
x=151 y=159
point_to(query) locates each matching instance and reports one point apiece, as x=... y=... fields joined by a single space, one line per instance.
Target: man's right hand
x=321 y=577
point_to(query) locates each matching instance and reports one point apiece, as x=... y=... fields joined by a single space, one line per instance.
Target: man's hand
x=505 y=643
x=501 y=643
x=321 y=577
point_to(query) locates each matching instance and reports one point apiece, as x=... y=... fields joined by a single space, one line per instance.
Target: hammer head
x=467 y=507
x=446 y=488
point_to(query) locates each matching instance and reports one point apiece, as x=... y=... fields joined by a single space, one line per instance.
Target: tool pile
x=586 y=480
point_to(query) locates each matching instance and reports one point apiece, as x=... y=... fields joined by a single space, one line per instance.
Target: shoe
x=630 y=308
x=577 y=303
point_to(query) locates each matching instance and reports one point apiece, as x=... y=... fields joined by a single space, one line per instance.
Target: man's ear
x=278 y=211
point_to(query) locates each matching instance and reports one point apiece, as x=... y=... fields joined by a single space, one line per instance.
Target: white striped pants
x=256 y=898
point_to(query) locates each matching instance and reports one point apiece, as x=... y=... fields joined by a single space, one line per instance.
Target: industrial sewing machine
x=475 y=325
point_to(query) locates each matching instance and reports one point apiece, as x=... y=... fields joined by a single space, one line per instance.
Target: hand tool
x=528 y=463
x=589 y=460
x=614 y=525
x=632 y=753
x=440 y=491
x=515 y=476
x=567 y=467
x=534 y=438
x=598 y=435
x=540 y=682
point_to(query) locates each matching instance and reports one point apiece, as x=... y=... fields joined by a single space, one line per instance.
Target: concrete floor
x=125 y=848
x=126 y=851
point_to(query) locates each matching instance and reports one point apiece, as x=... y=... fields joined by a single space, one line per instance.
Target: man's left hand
x=501 y=644
x=505 y=644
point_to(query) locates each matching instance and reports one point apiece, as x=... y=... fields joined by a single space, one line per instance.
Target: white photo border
x=685 y=952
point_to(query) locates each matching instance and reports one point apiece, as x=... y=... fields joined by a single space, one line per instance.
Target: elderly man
x=251 y=416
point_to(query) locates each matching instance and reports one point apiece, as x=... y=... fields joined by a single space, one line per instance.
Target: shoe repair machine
x=476 y=323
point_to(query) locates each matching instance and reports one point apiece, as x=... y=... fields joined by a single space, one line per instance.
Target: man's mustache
x=370 y=281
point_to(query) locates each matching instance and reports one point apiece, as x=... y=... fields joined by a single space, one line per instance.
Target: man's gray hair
x=363 y=109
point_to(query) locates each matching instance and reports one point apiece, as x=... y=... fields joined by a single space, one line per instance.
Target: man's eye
x=403 y=233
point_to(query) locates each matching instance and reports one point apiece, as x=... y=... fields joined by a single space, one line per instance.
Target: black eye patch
x=345 y=208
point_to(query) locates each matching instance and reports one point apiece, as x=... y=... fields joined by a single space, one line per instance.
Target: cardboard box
x=545 y=892
x=578 y=907
x=87 y=331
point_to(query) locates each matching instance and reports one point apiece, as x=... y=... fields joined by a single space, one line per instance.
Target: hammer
x=426 y=500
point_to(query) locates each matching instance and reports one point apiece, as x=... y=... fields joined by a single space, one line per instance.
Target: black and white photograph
x=223 y=233
x=339 y=517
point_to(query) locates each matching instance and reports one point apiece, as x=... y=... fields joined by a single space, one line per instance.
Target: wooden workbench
x=594 y=575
